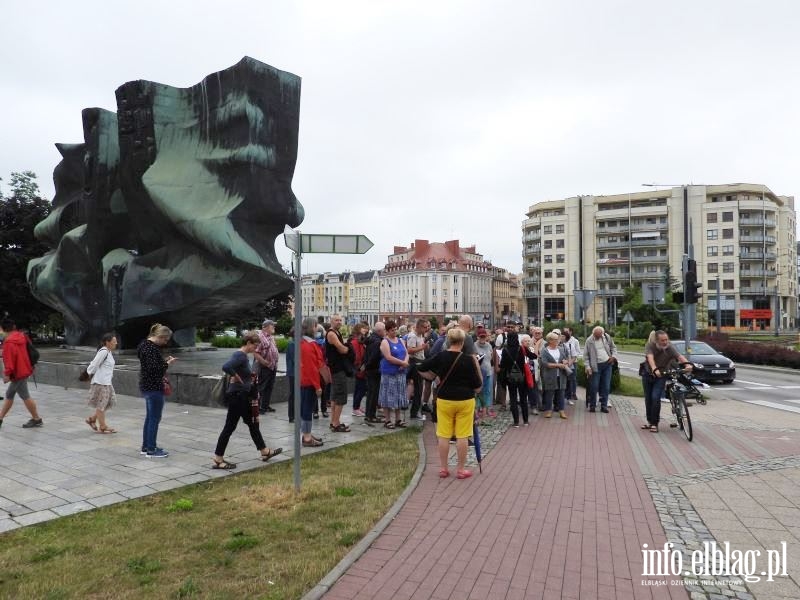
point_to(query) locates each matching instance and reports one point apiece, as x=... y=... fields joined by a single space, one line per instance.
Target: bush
x=223 y=341
x=756 y=353
x=281 y=343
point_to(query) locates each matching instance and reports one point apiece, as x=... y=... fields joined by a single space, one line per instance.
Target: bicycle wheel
x=682 y=413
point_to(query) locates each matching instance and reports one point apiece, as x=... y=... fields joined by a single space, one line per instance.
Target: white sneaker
x=572 y=402
x=419 y=418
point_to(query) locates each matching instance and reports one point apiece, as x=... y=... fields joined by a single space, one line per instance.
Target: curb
x=361 y=547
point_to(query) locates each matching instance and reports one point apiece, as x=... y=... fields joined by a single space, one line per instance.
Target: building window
x=727 y=267
x=559 y=258
x=548 y=274
x=560 y=243
x=548 y=288
x=727 y=284
x=711 y=218
x=548 y=229
x=548 y=244
x=727 y=217
x=560 y=273
x=560 y=288
x=727 y=251
x=712 y=250
x=713 y=267
x=727 y=234
x=548 y=259
x=559 y=229
x=712 y=284
x=711 y=234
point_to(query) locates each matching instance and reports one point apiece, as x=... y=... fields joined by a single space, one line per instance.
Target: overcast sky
x=441 y=119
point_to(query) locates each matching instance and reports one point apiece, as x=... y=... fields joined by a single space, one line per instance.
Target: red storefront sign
x=755 y=313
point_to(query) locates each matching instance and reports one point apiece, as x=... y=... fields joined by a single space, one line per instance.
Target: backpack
x=33 y=353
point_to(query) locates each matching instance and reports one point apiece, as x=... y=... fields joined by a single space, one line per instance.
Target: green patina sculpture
x=169 y=210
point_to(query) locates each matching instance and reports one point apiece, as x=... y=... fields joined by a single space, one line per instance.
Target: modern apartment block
x=741 y=235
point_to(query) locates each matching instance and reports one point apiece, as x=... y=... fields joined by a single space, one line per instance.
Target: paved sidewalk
x=563 y=509
x=64 y=467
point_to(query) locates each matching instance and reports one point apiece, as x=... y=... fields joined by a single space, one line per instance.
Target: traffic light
x=690 y=284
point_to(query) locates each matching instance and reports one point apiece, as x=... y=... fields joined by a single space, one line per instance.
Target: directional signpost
x=628 y=318
x=308 y=243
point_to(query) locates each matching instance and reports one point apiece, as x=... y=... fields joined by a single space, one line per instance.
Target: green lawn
x=244 y=536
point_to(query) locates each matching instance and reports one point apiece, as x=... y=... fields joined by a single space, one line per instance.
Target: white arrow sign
x=311 y=243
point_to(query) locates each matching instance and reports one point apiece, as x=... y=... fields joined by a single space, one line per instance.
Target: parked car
x=709 y=365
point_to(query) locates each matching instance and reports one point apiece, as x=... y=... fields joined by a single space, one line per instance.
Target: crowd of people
x=458 y=375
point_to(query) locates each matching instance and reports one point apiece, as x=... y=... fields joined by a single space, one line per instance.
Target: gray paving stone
x=36 y=517
x=70 y=509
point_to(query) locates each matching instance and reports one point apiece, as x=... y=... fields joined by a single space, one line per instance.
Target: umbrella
x=476 y=438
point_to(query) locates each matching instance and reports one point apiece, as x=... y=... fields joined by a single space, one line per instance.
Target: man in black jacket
x=372 y=364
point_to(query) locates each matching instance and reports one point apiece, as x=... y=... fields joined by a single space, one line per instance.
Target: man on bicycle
x=660 y=354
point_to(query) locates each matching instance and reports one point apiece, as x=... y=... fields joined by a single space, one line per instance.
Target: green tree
x=20 y=211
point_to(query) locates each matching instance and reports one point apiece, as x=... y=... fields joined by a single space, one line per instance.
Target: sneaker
x=603 y=409
x=426 y=408
x=33 y=423
x=269 y=409
x=572 y=402
x=515 y=425
x=158 y=453
x=144 y=451
x=316 y=415
x=418 y=418
x=535 y=412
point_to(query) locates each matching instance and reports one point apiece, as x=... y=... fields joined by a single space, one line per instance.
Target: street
x=772 y=387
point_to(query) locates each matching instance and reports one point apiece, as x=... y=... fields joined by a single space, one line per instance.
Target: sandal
x=341 y=428
x=223 y=464
x=443 y=473
x=271 y=454
x=648 y=426
x=653 y=428
x=465 y=474
x=92 y=422
x=388 y=425
x=312 y=443
x=106 y=430
x=400 y=423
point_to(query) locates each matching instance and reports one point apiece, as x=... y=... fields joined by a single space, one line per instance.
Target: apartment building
x=364 y=294
x=324 y=295
x=741 y=235
x=507 y=300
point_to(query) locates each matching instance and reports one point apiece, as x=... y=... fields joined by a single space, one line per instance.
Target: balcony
x=650 y=259
x=756 y=255
x=532 y=237
x=755 y=221
x=612 y=277
x=634 y=243
x=752 y=291
x=648 y=276
x=530 y=280
x=745 y=273
x=533 y=264
x=757 y=239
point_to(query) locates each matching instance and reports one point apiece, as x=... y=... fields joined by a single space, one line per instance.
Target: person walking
x=459 y=380
x=266 y=357
x=152 y=369
x=554 y=364
x=101 y=391
x=394 y=366
x=17 y=368
x=311 y=361
x=238 y=396
x=601 y=355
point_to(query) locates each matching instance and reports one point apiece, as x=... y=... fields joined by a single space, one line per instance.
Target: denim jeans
x=572 y=384
x=308 y=404
x=359 y=391
x=154 y=405
x=553 y=400
x=653 y=391
x=600 y=384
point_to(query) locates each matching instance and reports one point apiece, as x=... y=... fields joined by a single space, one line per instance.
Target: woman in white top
x=101 y=392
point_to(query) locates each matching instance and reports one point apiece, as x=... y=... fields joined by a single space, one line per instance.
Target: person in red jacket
x=16 y=370
x=311 y=361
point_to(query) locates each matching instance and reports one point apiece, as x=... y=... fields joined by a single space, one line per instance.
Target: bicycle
x=676 y=390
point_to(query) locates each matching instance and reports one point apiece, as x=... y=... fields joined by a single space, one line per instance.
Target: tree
x=19 y=213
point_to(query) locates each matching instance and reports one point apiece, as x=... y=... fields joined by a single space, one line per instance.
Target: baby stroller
x=693 y=387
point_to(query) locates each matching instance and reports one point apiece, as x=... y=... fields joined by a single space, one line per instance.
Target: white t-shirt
x=554 y=352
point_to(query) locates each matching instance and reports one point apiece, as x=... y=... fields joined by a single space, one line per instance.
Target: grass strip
x=244 y=536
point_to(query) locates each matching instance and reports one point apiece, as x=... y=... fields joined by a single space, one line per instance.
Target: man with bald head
x=372 y=362
x=600 y=354
x=465 y=323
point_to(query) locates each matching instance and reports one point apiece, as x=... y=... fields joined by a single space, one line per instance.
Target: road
x=777 y=388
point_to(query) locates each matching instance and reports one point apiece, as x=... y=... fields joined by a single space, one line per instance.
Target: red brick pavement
x=560 y=511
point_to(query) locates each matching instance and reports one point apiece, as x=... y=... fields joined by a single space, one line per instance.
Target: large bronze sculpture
x=169 y=209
